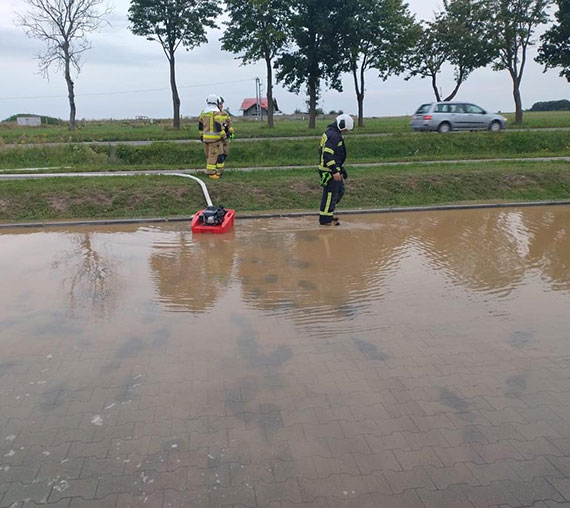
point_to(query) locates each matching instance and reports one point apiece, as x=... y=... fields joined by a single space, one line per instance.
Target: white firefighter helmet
x=344 y=122
x=212 y=99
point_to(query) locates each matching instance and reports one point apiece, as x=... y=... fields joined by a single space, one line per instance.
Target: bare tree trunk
x=70 y=91
x=434 y=86
x=175 y=97
x=359 y=89
x=518 y=100
x=269 y=92
x=312 y=103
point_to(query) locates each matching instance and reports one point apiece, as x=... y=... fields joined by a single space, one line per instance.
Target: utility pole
x=261 y=99
x=257 y=98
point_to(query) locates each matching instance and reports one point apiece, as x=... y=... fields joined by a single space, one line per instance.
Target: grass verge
x=160 y=196
x=419 y=146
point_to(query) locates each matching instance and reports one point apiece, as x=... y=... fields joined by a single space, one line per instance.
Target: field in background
x=136 y=130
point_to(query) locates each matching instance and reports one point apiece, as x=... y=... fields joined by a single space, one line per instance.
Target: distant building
x=29 y=121
x=249 y=106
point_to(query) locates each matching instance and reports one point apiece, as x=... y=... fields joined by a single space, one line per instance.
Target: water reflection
x=88 y=274
x=191 y=272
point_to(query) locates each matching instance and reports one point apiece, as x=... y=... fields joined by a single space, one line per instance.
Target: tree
x=257 y=30
x=63 y=25
x=173 y=23
x=315 y=27
x=514 y=23
x=459 y=35
x=379 y=35
x=555 y=48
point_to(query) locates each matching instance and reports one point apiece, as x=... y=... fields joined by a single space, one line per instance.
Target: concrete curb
x=286 y=214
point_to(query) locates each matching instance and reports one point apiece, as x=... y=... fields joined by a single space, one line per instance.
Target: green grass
x=296 y=189
x=129 y=130
x=396 y=147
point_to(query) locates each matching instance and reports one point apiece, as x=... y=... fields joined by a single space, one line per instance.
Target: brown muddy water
x=411 y=359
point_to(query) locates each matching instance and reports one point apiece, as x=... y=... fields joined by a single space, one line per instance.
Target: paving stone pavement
x=244 y=411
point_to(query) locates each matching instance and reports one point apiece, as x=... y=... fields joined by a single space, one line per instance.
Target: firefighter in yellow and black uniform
x=332 y=154
x=226 y=120
x=212 y=135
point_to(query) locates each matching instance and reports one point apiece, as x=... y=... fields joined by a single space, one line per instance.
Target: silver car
x=455 y=116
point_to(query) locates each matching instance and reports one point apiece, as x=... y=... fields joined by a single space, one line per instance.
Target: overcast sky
x=124 y=76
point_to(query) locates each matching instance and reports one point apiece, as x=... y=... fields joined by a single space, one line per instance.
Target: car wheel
x=495 y=126
x=444 y=127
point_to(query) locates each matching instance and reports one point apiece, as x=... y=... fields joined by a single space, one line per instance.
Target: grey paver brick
x=199 y=498
x=442 y=477
x=536 y=448
x=326 y=466
x=423 y=457
x=370 y=483
x=98 y=449
x=408 y=499
x=108 y=502
x=457 y=454
x=489 y=473
x=384 y=460
x=288 y=490
x=390 y=442
x=298 y=468
x=452 y=496
x=237 y=495
x=320 y=502
x=488 y=495
x=330 y=429
x=537 y=467
x=23 y=474
x=494 y=451
x=155 y=462
x=466 y=435
x=142 y=501
x=351 y=500
x=63 y=488
x=37 y=492
x=356 y=444
x=530 y=492
x=94 y=467
x=68 y=469
x=437 y=421
x=562 y=485
x=418 y=440
x=534 y=430
x=414 y=479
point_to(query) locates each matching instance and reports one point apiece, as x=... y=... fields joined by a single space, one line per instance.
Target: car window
x=424 y=108
x=442 y=108
x=456 y=108
x=471 y=108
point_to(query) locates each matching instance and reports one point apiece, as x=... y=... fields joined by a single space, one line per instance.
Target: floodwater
x=407 y=359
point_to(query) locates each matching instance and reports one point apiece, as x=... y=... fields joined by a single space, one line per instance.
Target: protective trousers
x=333 y=192
x=214 y=157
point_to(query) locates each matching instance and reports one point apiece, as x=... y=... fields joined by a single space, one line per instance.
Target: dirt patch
x=58 y=203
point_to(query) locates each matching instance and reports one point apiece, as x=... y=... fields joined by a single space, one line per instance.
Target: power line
x=120 y=92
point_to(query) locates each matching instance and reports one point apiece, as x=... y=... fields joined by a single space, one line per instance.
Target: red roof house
x=249 y=106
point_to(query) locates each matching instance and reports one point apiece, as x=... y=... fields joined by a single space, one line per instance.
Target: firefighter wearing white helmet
x=212 y=135
x=332 y=155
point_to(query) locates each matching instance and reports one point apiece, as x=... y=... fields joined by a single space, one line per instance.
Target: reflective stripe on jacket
x=211 y=126
x=332 y=150
x=226 y=121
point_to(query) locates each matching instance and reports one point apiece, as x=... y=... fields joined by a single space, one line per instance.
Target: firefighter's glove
x=232 y=136
x=343 y=172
